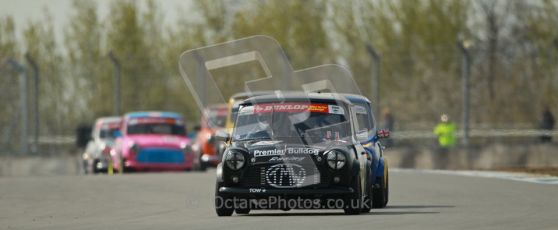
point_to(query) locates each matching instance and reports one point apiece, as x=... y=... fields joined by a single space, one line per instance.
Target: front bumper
x=285 y=199
x=210 y=159
x=101 y=164
x=159 y=159
x=158 y=166
x=312 y=192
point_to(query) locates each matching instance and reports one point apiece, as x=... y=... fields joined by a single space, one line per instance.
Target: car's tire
x=381 y=194
x=353 y=204
x=244 y=211
x=123 y=169
x=387 y=190
x=220 y=203
x=199 y=165
x=367 y=203
x=203 y=166
x=85 y=167
x=94 y=169
x=196 y=165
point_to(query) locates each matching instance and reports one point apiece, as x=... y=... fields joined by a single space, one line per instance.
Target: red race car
x=207 y=148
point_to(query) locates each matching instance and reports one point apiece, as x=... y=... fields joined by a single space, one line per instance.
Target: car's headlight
x=235 y=160
x=211 y=139
x=135 y=148
x=186 y=148
x=336 y=159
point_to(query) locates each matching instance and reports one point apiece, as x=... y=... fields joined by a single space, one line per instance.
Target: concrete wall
x=496 y=156
x=39 y=166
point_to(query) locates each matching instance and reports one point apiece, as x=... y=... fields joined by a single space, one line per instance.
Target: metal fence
x=488 y=94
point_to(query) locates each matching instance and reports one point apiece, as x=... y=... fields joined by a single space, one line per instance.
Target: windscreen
x=292 y=122
x=217 y=121
x=216 y=117
x=106 y=128
x=155 y=126
x=108 y=133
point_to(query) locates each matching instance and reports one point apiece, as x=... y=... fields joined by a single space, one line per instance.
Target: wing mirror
x=383 y=133
x=221 y=135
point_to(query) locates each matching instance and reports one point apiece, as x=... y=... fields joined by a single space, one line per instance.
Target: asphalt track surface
x=185 y=201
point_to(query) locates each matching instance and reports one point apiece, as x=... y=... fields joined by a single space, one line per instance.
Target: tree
x=9 y=95
x=91 y=72
x=56 y=109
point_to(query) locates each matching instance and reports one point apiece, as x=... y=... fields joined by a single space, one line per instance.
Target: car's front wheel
x=353 y=205
x=85 y=166
x=122 y=167
x=199 y=165
x=223 y=204
x=381 y=194
x=203 y=166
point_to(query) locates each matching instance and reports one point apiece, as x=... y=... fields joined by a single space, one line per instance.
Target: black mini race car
x=302 y=151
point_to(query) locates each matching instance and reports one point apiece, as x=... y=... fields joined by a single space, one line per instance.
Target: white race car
x=96 y=157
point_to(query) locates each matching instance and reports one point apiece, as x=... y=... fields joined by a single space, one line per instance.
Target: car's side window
x=363 y=124
x=371 y=120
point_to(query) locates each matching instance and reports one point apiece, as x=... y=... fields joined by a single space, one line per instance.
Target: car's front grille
x=280 y=176
x=160 y=155
x=254 y=177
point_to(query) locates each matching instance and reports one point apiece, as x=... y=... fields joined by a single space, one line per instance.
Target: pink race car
x=154 y=141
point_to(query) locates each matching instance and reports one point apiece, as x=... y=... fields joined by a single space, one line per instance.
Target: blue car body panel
x=160 y=155
x=377 y=161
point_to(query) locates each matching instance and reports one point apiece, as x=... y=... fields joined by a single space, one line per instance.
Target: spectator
x=547 y=124
x=445 y=131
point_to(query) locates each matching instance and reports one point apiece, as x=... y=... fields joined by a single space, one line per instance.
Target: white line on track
x=524 y=177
